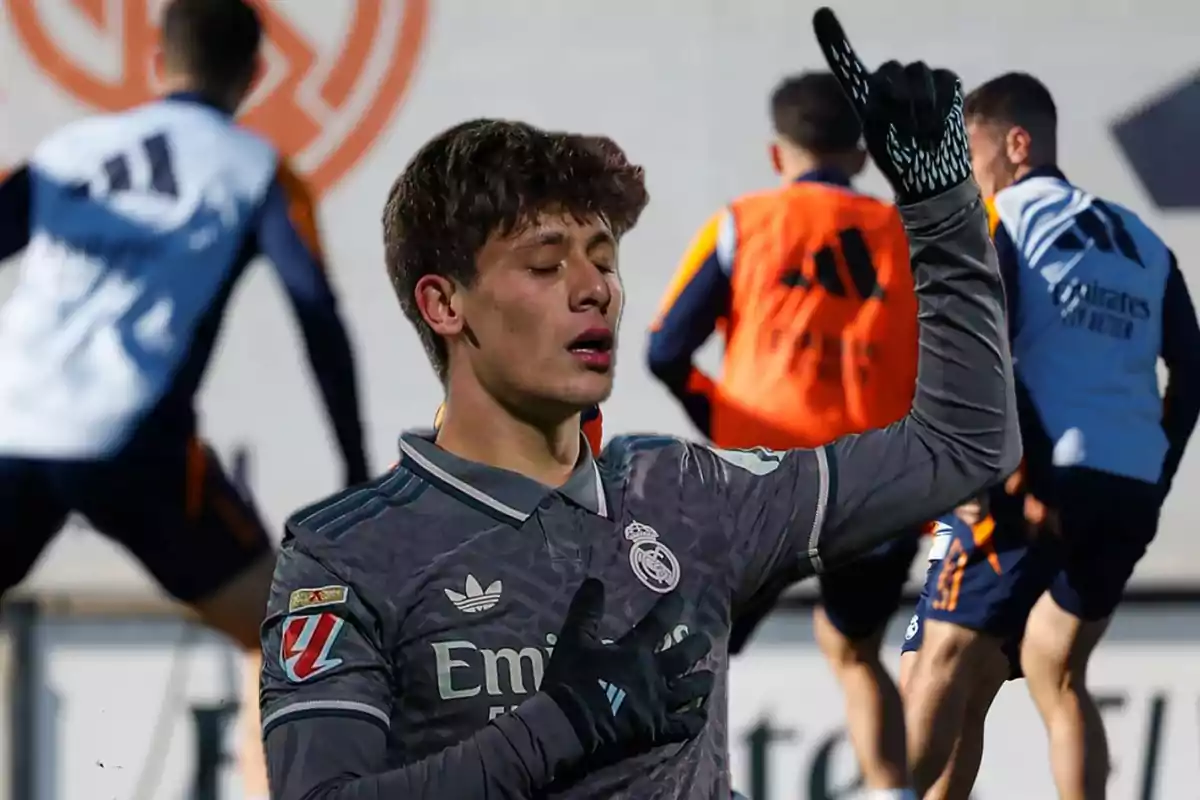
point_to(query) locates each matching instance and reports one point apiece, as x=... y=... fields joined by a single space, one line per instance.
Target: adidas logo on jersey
x=615 y=695
x=476 y=598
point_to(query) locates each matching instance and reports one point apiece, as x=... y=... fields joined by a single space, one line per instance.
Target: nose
x=590 y=288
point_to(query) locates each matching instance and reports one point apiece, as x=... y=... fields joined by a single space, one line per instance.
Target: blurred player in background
x=136 y=227
x=812 y=288
x=810 y=285
x=1096 y=298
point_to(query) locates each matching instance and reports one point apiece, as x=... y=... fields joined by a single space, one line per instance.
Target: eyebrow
x=603 y=236
x=555 y=238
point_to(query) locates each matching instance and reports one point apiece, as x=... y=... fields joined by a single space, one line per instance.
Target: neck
x=181 y=84
x=1025 y=169
x=478 y=428
x=796 y=164
x=799 y=164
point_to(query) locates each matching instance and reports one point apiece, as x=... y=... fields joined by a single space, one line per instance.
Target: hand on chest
x=486 y=627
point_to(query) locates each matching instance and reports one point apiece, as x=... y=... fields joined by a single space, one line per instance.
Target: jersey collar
x=1047 y=171
x=198 y=99
x=499 y=492
x=834 y=177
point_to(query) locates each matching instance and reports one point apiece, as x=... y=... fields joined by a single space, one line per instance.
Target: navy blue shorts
x=992 y=576
x=948 y=529
x=860 y=597
x=943 y=534
x=914 y=634
x=172 y=507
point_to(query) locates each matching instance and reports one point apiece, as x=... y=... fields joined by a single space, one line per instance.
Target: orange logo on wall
x=324 y=111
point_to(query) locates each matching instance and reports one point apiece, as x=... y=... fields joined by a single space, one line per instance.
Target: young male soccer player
x=135 y=228
x=1095 y=299
x=814 y=284
x=442 y=632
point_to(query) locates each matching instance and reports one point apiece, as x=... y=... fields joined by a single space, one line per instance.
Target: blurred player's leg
x=938 y=693
x=910 y=651
x=958 y=777
x=1055 y=656
x=236 y=609
x=908 y=663
x=252 y=759
x=874 y=715
x=227 y=611
x=176 y=510
x=975 y=606
x=1104 y=524
x=30 y=516
x=857 y=603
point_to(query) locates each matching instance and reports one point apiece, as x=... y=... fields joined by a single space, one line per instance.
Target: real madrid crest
x=652 y=561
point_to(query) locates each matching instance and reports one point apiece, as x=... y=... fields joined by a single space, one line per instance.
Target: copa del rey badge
x=652 y=561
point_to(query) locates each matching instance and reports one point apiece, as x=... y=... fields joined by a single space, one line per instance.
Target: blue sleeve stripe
x=691 y=318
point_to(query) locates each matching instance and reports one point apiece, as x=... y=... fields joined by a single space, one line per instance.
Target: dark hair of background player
x=811 y=111
x=490 y=177
x=214 y=42
x=1017 y=99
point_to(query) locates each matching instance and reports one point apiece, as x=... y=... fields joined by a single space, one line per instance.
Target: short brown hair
x=214 y=41
x=1015 y=98
x=811 y=111
x=490 y=176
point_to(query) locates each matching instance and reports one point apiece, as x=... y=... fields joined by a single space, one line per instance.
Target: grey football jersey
x=415 y=616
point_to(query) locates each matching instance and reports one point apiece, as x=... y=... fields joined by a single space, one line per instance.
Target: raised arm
x=804 y=511
x=961 y=434
x=798 y=512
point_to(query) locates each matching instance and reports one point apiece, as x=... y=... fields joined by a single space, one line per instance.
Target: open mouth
x=594 y=349
x=595 y=341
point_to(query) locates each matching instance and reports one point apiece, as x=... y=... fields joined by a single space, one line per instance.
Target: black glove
x=912 y=116
x=624 y=698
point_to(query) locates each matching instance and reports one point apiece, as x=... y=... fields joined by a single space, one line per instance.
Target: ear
x=159 y=66
x=440 y=302
x=260 y=69
x=1018 y=145
x=776 y=156
x=858 y=161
